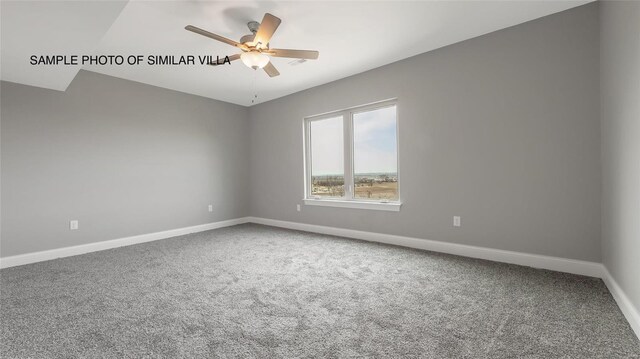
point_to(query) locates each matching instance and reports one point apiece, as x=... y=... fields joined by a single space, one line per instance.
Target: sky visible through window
x=374 y=141
x=327 y=147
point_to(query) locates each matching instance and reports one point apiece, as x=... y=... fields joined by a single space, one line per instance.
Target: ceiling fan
x=255 y=47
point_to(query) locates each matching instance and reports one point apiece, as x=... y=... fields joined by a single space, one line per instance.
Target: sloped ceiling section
x=51 y=28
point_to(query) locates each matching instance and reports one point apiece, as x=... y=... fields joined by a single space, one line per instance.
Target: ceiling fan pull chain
x=255 y=93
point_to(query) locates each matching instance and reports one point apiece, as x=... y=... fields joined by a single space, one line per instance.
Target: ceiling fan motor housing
x=253 y=26
x=247 y=38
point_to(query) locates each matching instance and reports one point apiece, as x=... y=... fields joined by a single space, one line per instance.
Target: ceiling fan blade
x=271 y=70
x=211 y=35
x=295 y=54
x=231 y=58
x=267 y=27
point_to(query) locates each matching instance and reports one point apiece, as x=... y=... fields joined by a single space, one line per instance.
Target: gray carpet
x=256 y=291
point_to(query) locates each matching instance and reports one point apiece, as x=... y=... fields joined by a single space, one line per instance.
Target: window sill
x=378 y=206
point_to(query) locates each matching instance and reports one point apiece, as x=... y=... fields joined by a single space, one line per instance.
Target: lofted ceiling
x=50 y=27
x=352 y=37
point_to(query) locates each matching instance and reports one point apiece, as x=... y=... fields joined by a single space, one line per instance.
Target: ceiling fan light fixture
x=254 y=59
x=255 y=46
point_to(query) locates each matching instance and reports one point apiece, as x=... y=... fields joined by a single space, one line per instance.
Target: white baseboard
x=628 y=309
x=591 y=269
x=27 y=258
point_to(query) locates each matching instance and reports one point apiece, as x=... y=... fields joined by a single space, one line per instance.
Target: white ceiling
x=352 y=37
x=52 y=28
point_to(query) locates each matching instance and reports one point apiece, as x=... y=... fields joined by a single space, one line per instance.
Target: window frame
x=348 y=200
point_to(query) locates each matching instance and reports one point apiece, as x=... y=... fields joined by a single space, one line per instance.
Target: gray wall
x=502 y=130
x=121 y=157
x=620 y=81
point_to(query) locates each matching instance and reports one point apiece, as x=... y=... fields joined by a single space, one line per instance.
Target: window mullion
x=348 y=155
x=307 y=159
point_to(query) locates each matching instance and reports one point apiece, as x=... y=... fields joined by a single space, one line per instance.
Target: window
x=351 y=158
x=375 y=155
x=327 y=147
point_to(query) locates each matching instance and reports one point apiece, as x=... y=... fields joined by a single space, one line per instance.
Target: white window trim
x=344 y=203
x=348 y=201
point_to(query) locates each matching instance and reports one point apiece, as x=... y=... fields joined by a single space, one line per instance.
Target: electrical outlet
x=456 y=221
x=298 y=207
x=73 y=224
x=210 y=208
